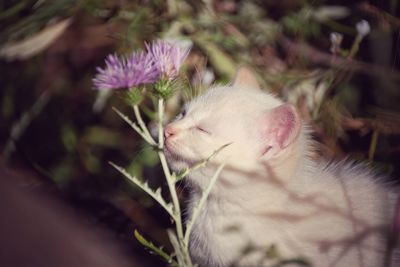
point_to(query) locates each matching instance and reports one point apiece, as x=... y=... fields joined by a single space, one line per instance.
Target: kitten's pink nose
x=169 y=131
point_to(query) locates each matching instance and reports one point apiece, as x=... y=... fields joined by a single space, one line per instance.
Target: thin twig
x=201 y=163
x=141 y=123
x=171 y=180
x=316 y=56
x=19 y=127
x=177 y=248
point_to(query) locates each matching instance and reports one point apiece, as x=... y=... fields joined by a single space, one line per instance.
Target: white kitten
x=271 y=193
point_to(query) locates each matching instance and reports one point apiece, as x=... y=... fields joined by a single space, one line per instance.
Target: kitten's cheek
x=175 y=163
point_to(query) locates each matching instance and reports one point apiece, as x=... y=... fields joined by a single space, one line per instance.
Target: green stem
x=160 y=123
x=141 y=123
x=355 y=46
x=171 y=178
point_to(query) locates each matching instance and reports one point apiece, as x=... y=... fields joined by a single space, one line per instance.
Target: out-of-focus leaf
x=264 y=32
x=301 y=23
x=103 y=137
x=91 y=162
x=350 y=98
x=7 y=107
x=35 y=44
x=13 y=10
x=249 y=10
x=324 y=13
x=238 y=37
x=222 y=62
x=69 y=137
x=42 y=13
x=101 y=100
x=62 y=172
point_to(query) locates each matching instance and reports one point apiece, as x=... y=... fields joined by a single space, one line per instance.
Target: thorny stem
x=200 y=164
x=171 y=178
x=160 y=124
x=141 y=123
x=180 y=241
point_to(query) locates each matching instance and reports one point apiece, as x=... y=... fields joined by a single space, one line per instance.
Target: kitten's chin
x=176 y=162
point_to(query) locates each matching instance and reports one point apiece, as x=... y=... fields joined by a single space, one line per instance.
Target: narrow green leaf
x=157 y=250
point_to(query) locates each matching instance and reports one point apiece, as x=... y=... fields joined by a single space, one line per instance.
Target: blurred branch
x=316 y=56
x=19 y=127
x=383 y=125
x=379 y=14
x=34 y=44
x=12 y=11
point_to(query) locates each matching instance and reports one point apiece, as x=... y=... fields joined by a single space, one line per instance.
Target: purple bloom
x=126 y=72
x=168 y=57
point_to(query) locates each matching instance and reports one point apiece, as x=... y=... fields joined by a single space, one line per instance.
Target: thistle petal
x=168 y=57
x=126 y=72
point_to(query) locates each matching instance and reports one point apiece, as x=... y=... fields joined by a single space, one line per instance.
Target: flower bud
x=336 y=41
x=363 y=28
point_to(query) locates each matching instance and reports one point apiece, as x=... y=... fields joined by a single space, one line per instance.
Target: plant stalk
x=171 y=178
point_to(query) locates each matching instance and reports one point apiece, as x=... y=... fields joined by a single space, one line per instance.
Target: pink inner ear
x=283 y=125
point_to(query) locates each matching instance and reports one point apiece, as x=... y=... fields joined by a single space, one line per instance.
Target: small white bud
x=363 y=28
x=336 y=38
x=336 y=41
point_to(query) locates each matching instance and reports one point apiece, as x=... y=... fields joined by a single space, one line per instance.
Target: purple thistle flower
x=168 y=57
x=126 y=72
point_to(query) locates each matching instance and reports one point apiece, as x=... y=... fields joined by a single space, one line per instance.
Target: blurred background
x=62 y=204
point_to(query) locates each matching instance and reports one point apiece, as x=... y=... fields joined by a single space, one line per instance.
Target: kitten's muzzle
x=168 y=132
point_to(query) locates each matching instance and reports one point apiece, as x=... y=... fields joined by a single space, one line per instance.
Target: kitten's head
x=258 y=126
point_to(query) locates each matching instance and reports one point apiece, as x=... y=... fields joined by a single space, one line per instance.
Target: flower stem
x=355 y=46
x=171 y=179
x=141 y=123
x=160 y=123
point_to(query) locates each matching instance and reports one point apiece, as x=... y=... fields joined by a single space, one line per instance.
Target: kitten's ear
x=245 y=78
x=281 y=128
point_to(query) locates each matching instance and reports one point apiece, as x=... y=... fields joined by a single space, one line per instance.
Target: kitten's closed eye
x=201 y=129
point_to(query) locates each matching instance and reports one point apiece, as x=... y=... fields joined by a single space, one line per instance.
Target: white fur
x=328 y=214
